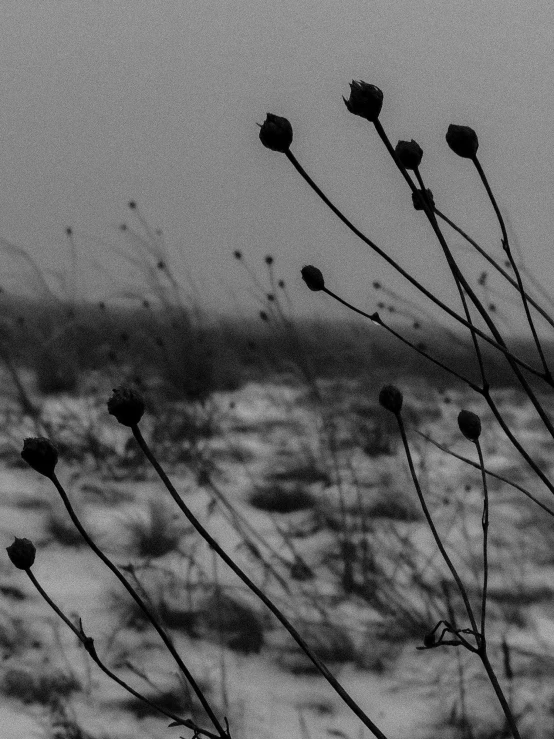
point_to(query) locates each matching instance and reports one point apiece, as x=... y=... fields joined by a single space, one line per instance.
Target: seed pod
x=470 y=425
x=462 y=140
x=391 y=398
x=22 y=553
x=365 y=100
x=312 y=277
x=40 y=454
x=127 y=405
x=409 y=153
x=417 y=199
x=276 y=133
x=429 y=639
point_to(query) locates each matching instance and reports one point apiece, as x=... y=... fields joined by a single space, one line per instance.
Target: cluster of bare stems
x=366 y=101
x=127 y=406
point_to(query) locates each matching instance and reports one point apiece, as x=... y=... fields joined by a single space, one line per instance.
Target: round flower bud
x=409 y=153
x=276 y=133
x=462 y=140
x=313 y=278
x=126 y=405
x=41 y=455
x=429 y=639
x=417 y=198
x=470 y=425
x=22 y=553
x=365 y=100
x=391 y=398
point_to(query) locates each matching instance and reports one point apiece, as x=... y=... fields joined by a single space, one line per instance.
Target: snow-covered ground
x=282 y=481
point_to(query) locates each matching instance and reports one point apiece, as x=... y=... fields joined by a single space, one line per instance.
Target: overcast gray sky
x=103 y=101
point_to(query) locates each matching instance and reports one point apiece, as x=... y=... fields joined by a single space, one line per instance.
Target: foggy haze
x=103 y=102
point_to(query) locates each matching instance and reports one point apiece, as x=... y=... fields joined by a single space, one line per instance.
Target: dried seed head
x=312 y=277
x=276 y=133
x=470 y=425
x=365 y=100
x=41 y=455
x=22 y=553
x=462 y=140
x=409 y=153
x=417 y=198
x=429 y=639
x=127 y=405
x=391 y=398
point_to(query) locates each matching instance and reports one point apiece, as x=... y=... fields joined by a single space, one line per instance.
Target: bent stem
x=350 y=702
x=507 y=249
x=459 y=279
x=494 y=264
x=498 y=690
x=455 y=272
x=88 y=644
x=481 y=648
x=485 y=392
x=428 y=294
x=138 y=600
x=461 y=588
x=485 y=525
x=376 y=318
x=490 y=473
x=546 y=376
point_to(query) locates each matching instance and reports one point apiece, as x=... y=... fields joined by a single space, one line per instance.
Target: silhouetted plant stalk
x=366 y=101
x=494 y=263
x=484 y=392
x=127 y=406
x=407 y=156
x=469 y=423
x=88 y=644
x=428 y=294
x=488 y=472
x=276 y=134
x=314 y=280
x=463 y=141
x=42 y=456
x=507 y=249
